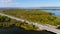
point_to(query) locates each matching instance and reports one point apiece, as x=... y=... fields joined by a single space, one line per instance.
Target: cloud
x=5 y=0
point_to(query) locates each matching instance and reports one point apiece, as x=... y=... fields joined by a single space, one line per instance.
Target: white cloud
x=5 y=0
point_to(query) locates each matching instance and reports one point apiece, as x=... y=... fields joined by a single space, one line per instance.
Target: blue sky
x=29 y=3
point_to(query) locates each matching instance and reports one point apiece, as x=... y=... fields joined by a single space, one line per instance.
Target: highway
x=42 y=27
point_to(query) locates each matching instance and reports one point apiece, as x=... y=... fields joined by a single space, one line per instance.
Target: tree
x=4 y=19
x=17 y=24
x=1 y=25
x=51 y=13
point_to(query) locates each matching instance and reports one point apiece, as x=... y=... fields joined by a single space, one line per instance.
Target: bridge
x=57 y=31
x=41 y=27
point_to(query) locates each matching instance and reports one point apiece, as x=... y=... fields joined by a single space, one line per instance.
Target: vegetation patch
x=38 y=16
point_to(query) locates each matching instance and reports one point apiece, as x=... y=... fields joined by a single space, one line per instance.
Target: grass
x=39 y=16
x=6 y=22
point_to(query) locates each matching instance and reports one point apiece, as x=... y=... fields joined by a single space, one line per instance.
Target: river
x=57 y=12
x=16 y=30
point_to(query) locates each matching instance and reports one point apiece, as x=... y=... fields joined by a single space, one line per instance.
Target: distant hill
x=1 y=8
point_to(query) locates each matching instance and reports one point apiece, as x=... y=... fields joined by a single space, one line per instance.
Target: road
x=42 y=27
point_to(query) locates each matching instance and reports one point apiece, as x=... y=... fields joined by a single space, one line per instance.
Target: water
x=57 y=12
x=16 y=30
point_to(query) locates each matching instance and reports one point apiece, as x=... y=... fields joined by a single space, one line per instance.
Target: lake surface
x=57 y=12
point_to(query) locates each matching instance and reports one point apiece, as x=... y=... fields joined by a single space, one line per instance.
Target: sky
x=29 y=3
